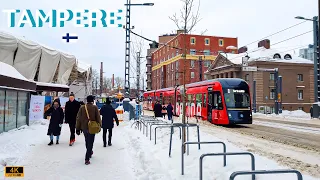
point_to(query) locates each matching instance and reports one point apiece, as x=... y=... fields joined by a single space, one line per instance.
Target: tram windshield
x=237 y=98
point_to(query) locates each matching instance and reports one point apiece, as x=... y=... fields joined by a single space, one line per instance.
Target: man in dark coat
x=71 y=111
x=108 y=116
x=170 y=111
x=157 y=109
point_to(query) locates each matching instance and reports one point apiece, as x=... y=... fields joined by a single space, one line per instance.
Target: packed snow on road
x=132 y=156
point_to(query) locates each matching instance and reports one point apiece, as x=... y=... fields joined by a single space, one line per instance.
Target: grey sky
x=249 y=20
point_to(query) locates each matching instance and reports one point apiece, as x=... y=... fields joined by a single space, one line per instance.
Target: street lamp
x=316 y=43
x=127 y=43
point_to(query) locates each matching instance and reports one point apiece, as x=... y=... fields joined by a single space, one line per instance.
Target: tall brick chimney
x=243 y=49
x=264 y=43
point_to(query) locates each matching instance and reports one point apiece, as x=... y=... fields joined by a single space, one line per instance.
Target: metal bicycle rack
x=228 y=154
x=159 y=124
x=169 y=126
x=210 y=142
x=280 y=171
x=184 y=126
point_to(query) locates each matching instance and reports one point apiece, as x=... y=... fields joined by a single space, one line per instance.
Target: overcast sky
x=249 y=20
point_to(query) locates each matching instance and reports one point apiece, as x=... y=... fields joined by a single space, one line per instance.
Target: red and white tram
x=220 y=101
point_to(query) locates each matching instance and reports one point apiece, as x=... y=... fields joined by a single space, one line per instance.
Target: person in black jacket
x=157 y=109
x=56 y=121
x=108 y=116
x=170 y=111
x=71 y=111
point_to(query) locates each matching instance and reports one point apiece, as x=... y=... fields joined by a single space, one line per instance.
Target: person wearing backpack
x=88 y=122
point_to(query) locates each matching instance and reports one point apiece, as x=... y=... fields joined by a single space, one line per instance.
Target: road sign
x=245 y=61
x=249 y=68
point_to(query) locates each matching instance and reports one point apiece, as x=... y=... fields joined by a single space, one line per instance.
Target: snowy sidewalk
x=62 y=162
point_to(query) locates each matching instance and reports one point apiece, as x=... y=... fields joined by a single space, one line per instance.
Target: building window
x=272 y=93
x=172 y=55
x=168 y=57
x=207 y=63
x=246 y=77
x=300 y=108
x=193 y=40
x=271 y=77
x=177 y=65
x=172 y=66
x=171 y=45
x=192 y=51
x=207 y=41
x=192 y=75
x=300 y=77
x=300 y=94
x=221 y=42
x=177 y=52
x=206 y=52
x=192 y=63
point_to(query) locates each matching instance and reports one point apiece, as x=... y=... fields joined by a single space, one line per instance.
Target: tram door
x=210 y=104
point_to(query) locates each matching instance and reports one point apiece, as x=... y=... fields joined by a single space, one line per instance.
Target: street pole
x=200 y=68
x=184 y=78
x=138 y=75
x=254 y=96
x=276 y=104
x=280 y=94
x=127 y=51
x=316 y=57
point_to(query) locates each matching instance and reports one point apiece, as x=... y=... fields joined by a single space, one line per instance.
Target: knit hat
x=90 y=99
x=71 y=94
x=108 y=101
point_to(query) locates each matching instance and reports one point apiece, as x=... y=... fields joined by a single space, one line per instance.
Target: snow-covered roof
x=83 y=67
x=51 y=85
x=263 y=54
x=9 y=71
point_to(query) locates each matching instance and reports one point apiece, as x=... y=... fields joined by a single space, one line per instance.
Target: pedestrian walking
x=164 y=111
x=88 y=116
x=311 y=112
x=56 y=121
x=157 y=109
x=108 y=116
x=170 y=111
x=71 y=110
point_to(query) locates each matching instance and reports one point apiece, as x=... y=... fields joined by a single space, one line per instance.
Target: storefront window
x=22 y=108
x=11 y=110
x=2 y=99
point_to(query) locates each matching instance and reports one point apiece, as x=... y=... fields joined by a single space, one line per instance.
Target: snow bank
x=154 y=162
x=298 y=114
x=16 y=143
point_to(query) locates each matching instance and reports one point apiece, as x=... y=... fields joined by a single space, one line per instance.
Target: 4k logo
x=14 y=171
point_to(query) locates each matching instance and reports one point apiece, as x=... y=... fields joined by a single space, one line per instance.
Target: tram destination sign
x=249 y=68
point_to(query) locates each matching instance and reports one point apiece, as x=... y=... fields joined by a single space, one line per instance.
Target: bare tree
x=188 y=19
x=119 y=82
x=107 y=83
x=95 y=81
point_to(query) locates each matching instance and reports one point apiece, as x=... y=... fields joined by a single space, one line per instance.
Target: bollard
x=228 y=154
x=209 y=142
x=281 y=171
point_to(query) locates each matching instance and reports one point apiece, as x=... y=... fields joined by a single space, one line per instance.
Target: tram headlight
x=229 y=114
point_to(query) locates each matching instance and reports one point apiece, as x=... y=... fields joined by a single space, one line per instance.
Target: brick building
x=296 y=72
x=167 y=62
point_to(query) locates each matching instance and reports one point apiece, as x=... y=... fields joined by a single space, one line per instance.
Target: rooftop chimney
x=243 y=49
x=264 y=43
x=180 y=31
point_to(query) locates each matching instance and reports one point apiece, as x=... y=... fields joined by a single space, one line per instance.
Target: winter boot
x=51 y=142
x=109 y=143
x=104 y=144
x=57 y=142
x=87 y=162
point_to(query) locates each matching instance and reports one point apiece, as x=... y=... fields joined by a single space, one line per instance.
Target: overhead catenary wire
x=277 y=32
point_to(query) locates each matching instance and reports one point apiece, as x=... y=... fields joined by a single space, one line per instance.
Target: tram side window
x=217 y=101
x=199 y=98
x=190 y=98
x=204 y=100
